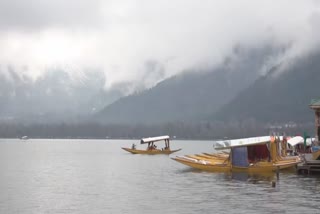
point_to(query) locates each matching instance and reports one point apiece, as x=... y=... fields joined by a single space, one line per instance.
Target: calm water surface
x=96 y=176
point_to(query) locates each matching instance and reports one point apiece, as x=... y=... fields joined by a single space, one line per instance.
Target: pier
x=311 y=162
x=308 y=166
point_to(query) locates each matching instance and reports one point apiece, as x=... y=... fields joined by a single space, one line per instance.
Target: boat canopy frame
x=154 y=139
x=245 y=142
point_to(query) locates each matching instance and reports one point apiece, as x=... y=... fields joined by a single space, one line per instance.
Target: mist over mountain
x=283 y=95
x=54 y=97
x=192 y=96
x=197 y=63
x=250 y=84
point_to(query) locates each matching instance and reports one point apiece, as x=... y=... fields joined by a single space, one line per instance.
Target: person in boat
x=166 y=145
x=133 y=146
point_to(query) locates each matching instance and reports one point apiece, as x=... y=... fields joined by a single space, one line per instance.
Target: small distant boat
x=152 y=148
x=260 y=154
x=24 y=138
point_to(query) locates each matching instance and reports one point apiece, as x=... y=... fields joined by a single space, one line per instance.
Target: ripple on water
x=96 y=176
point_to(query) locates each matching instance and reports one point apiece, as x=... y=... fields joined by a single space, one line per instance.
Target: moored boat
x=315 y=152
x=260 y=154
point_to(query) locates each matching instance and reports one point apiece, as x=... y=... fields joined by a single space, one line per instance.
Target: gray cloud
x=39 y=14
x=120 y=37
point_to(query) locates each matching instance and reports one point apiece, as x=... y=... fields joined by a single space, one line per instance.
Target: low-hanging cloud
x=128 y=40
x=35 y=15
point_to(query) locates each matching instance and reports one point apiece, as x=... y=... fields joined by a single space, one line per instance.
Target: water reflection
x=252 y=178
x=189 y=169
x=239 y=176
x=98 y=177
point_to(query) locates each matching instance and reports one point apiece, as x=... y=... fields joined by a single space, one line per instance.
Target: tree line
x=182 y=130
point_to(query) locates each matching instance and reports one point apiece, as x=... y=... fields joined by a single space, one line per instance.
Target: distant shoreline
x=138 y=139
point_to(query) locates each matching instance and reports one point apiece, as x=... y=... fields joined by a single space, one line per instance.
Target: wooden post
x=317 y=124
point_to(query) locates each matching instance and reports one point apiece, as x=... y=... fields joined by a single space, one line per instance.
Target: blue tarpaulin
x=315 y=148
x=240 y=157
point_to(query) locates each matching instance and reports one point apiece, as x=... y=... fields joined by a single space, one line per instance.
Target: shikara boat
x=24 y=138
x=315 y=152
x=152 y=148
x=259 y=154
x=300 y=145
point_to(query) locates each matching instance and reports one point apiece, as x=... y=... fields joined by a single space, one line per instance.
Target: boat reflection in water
x=253 y=178
x=253 y=155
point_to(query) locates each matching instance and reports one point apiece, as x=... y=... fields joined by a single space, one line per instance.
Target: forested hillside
x=280 y=96
x=190 y=96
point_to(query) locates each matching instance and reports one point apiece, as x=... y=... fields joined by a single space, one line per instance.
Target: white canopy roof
x=299 y=140
x=295 y=140
x=154 y=139
x=227 y=144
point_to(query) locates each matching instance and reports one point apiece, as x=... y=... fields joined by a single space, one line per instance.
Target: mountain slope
x=191 y=95
x=279 y=96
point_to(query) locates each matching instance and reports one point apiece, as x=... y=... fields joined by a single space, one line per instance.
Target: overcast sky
x=145 y=39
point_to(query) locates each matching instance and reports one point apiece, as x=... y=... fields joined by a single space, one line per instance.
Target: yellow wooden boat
x=315 y=153
x=251 y=155
x=152 y=148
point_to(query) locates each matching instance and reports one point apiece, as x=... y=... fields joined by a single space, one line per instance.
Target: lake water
x=97 y=176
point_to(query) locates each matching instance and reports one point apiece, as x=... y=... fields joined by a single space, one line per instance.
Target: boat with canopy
x=258 y=154
x=152 y=148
